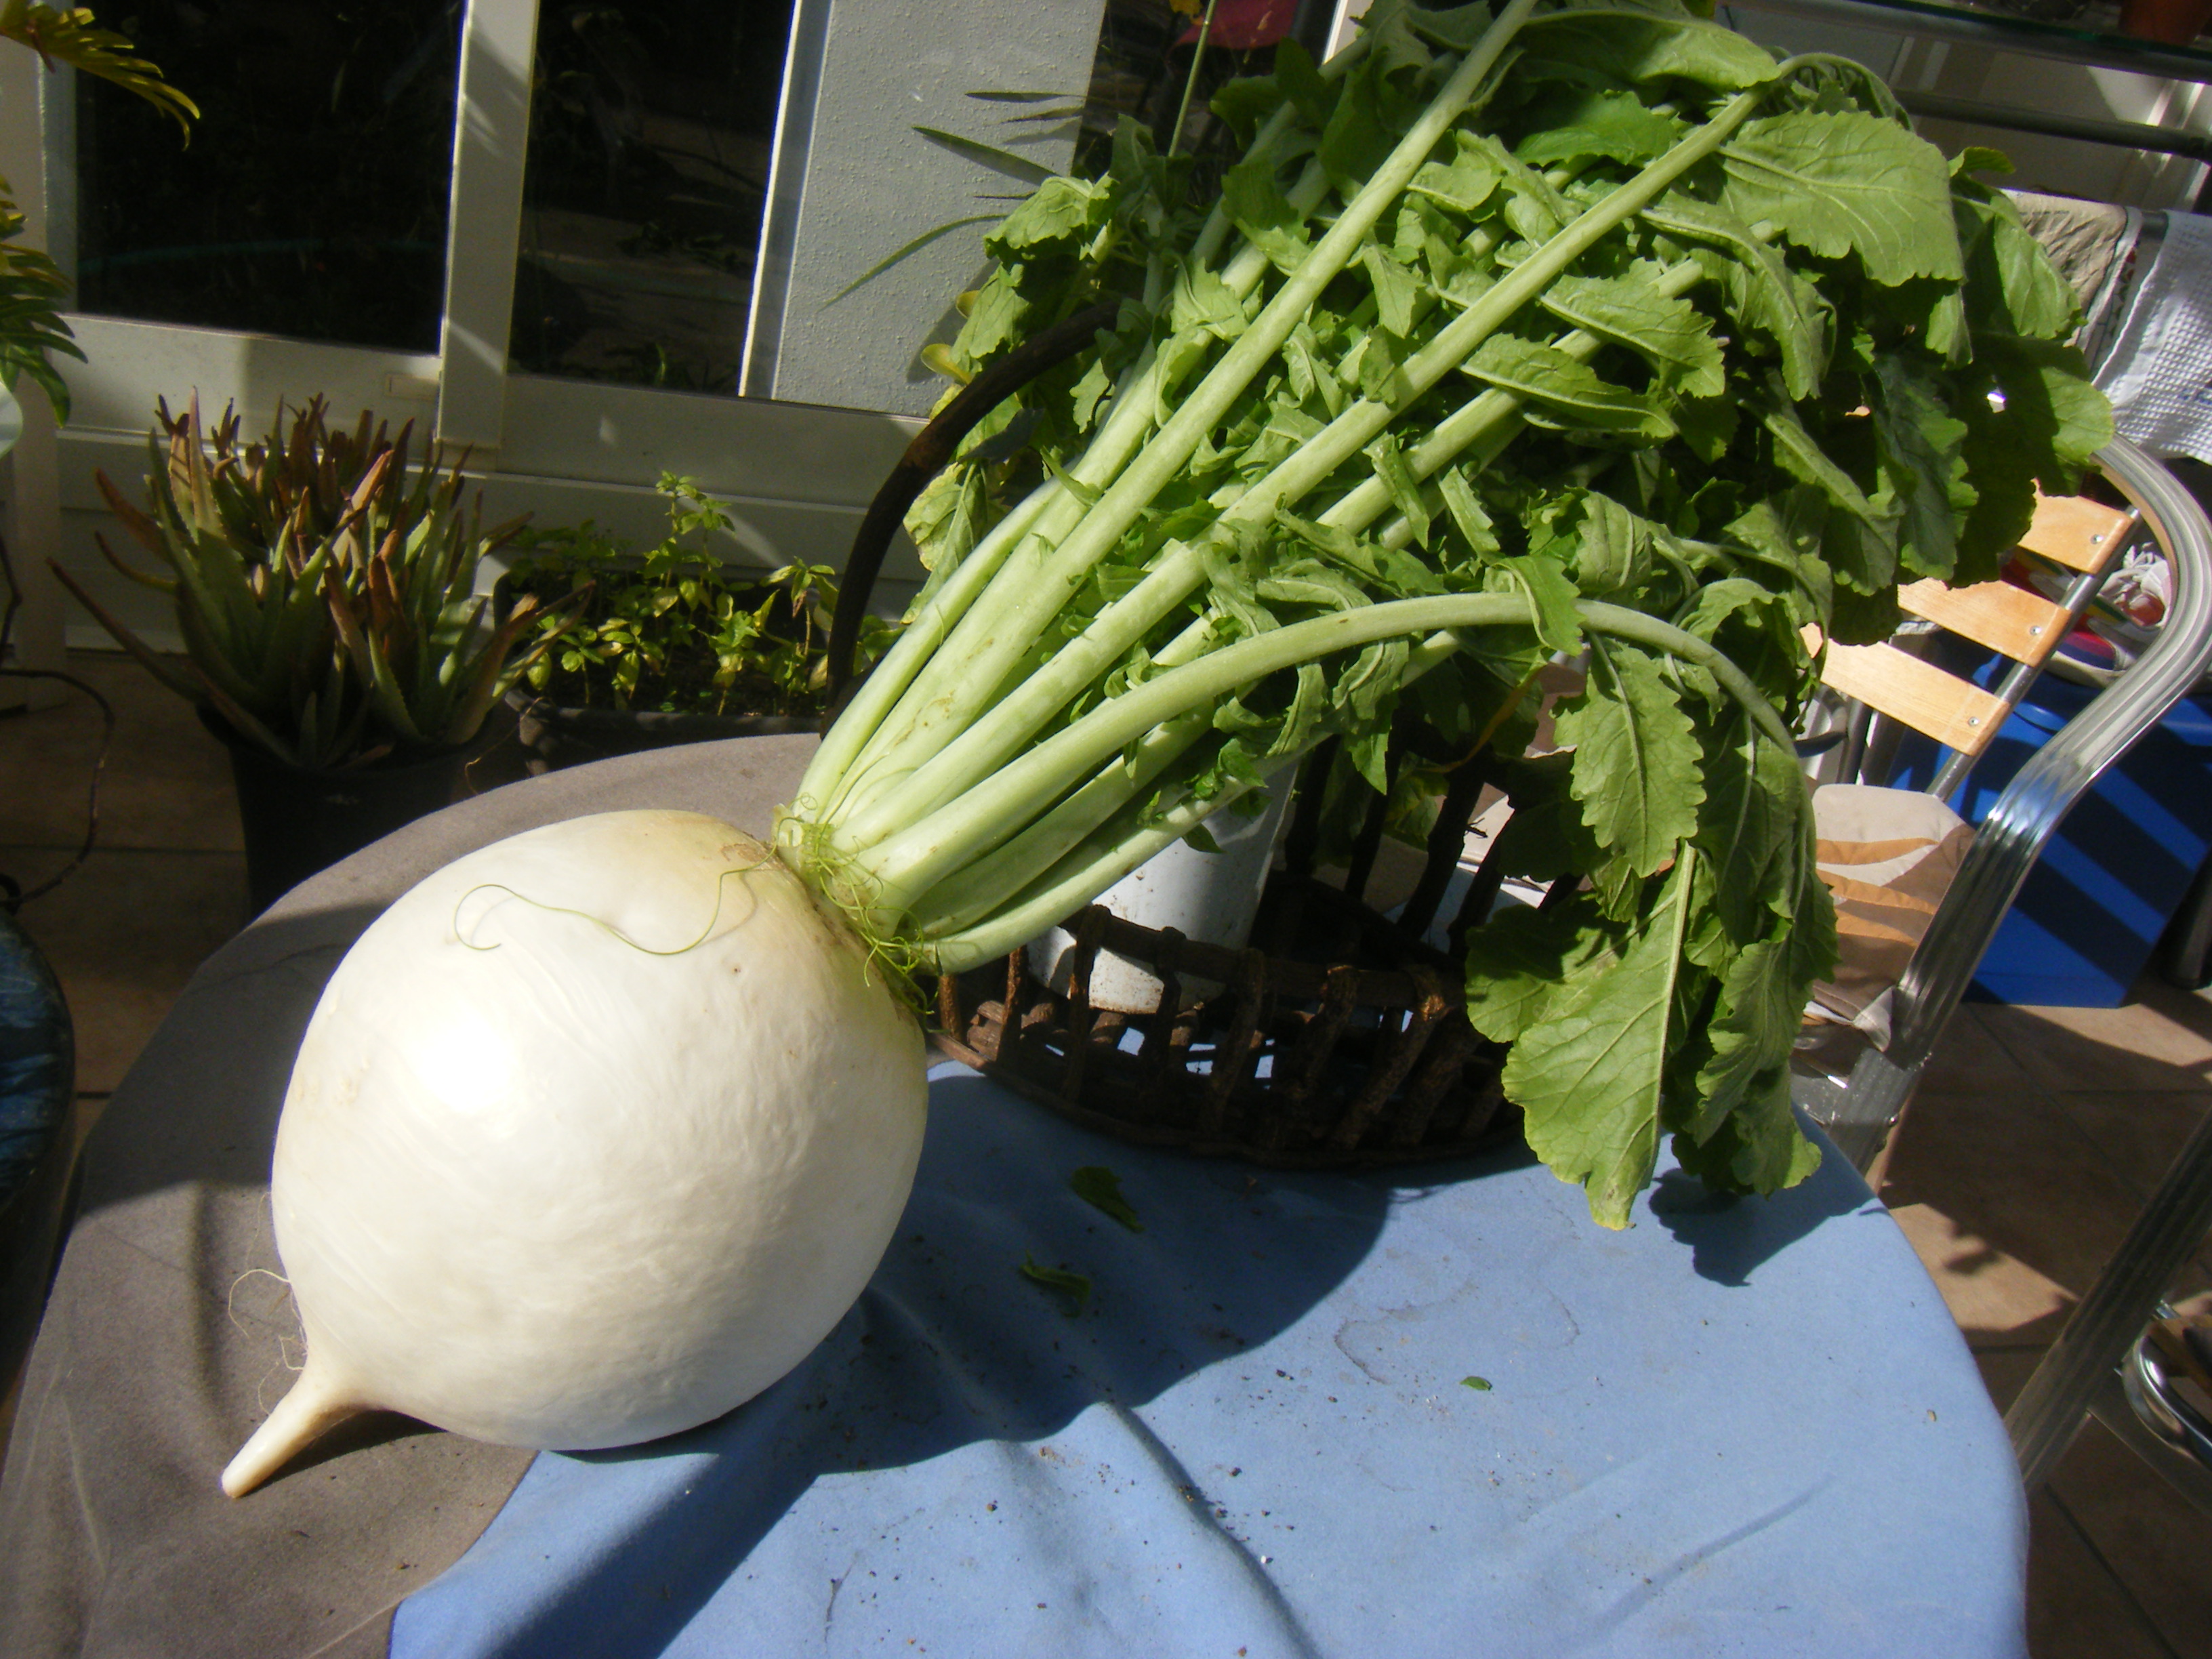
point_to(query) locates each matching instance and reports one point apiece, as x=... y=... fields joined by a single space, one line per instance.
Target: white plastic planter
x=1211 y=896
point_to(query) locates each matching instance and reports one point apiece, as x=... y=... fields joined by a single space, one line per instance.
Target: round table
x=1436 y=1411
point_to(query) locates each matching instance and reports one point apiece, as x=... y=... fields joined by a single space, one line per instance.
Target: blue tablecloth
x=1432 y=1412
x=1743 y=1427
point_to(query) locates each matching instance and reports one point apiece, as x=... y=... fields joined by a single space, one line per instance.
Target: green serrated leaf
x=1923 y=466
x=1368 y=752
x=1572 y=123
x=1589 y=1078
x=1552 y=598
x=1524 y=962
x=1464 y=183
x=1750 y=1033
x=1380 y=378
x=1979 y=158
x=1637 y=771
x=1389 y=464
x=1058 y=212
x=1562 y=391
x=1258 y=207
x=1861 y=544
x=1748 y=828
x=1847 y=183
x=1670 y=334
x=1757 y=1148
x=1202 y=300
x=999 y=322
x=1356 y=140
x=1395 y=288
x=2042 y=427
x=2039 y=303
x=1764 y=296
x=943 y=520
x=1614 y=552
x=1648 y=48
x=1467 y=512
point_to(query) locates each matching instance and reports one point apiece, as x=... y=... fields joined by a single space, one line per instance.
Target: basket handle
x=926 y=457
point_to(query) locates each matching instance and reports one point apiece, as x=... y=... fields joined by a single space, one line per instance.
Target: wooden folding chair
x=2082 y=536
x=1888 y=855
x=1951 y=931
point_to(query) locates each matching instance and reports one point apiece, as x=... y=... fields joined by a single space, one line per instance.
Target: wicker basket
x=1315 y=1057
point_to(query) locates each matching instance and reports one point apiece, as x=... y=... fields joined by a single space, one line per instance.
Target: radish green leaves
x=1566 y=327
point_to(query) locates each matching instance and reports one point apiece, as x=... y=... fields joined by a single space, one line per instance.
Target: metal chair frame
x=1860 y=1112
x=2095 y=1365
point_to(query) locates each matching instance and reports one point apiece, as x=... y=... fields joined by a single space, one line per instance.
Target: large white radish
x=593 y=1135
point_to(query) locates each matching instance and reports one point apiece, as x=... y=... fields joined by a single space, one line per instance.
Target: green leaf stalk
x=1572 y=328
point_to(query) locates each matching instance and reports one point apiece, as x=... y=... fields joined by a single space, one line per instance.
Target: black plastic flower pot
x=299 y=820
x=557 y=735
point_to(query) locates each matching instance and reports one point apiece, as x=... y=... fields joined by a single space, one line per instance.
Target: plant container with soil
x=675 y=644
x=325 y=592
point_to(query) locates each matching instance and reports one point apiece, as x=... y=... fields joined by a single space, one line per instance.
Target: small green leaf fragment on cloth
x=1073 y=1289
x=1101 y=1188
x=1480 y=1385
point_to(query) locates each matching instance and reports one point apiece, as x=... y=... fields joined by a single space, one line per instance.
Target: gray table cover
x=1745 y=1427
x=168 y=1335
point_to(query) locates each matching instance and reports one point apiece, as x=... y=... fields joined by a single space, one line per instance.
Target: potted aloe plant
x=326 y=591
x=672 y=644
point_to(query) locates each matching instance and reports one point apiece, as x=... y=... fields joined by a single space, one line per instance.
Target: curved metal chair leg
x=2084 y=1362
x=1869 y=1107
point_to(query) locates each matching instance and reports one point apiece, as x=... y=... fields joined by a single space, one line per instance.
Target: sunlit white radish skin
x=593 y=1135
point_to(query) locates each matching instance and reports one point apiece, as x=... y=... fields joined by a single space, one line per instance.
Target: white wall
x=865 y=73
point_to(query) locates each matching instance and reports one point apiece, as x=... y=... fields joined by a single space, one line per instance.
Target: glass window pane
x=312 y=199
x=651 y=125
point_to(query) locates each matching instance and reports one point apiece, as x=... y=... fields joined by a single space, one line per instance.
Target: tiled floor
x=2037 y=1137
